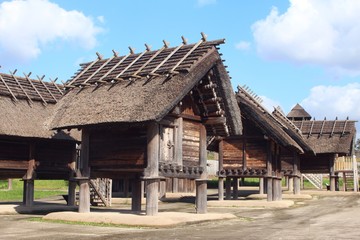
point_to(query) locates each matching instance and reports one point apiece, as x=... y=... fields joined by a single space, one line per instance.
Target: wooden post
x=28 y=191
x=71 y=193
x=136 y=195
x=261 y=185
x=291 y=184
x=179 y=141
x=235 y=188
x=228 y=188
x=9 y=184
x=265 y=185
x=152 y=170
x=297 y=184
x=221 y=179
x=269 y=162
x=297 y=174
x=84 y=193
x=332 y=172
x=221 y=188
x=201 y=184
x=175 y=185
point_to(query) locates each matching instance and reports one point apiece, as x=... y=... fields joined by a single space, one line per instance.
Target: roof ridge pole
x=8 y=88
x=101 y=67
x=343 y=132
x=311 y=128
x=148 y=61
x=333 y=128
x=166 y=59
x=203 y=39
x=115 y=66
x=53 y=82
x=33 y=86
x=132 y=63
x=21 y=87
x=84 y=70
x=41 y=80
x=322 y=127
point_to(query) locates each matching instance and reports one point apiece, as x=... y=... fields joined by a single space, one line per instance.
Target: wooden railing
x=345 y=163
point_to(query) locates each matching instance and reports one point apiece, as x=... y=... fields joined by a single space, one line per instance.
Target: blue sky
x=286 y=51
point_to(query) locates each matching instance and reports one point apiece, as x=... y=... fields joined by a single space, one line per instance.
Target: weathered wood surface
x=118 y=149
x=191 y=142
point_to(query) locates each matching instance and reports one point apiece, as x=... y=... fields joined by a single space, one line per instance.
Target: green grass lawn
x=43 y=189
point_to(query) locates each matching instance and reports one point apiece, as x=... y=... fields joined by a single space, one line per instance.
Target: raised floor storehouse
x=28 y=149
x=147 y=116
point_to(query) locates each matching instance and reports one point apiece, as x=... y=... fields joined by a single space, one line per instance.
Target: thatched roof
x=252 y=109
x=328 y=136
x=298 y=113
x=147 y=86
x=26 y=106
x=291 y=129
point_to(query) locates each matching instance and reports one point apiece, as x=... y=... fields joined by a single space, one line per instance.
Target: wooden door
x=167 y=145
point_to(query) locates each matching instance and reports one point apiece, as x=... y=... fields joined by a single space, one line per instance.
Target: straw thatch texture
x=29 y=89
x=291 y=129
x=326 y=136
x=298 y=113
x=20 y=119
x=252 y=110
x=142 y=98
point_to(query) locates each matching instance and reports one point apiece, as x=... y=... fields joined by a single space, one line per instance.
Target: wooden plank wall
x=287 y=159
x=118 y=149
x=51 y=158
x=315 y=164
x=233 y=153
x=191 y=143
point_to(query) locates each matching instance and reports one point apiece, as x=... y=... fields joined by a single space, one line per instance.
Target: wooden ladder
x=314 y=179
x=348 y=177
x=100 y=192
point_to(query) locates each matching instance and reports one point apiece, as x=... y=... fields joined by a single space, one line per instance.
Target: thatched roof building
x=252 y=110
x=298 y=113
x=147 y=86
x=328 y=136
x=26 y=106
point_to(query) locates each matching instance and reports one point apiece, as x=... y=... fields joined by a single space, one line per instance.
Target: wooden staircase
x=348 y=178
x=100 y=192
x=314 y=179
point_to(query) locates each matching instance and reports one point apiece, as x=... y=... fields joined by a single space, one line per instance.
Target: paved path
x=334 y=216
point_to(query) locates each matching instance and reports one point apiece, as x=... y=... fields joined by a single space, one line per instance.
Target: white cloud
x=334 y=101
x=27 y=26
x=202 y=3
x=321 y=32
x=243 y=45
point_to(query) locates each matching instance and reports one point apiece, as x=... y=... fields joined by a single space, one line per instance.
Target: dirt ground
x=325 y=216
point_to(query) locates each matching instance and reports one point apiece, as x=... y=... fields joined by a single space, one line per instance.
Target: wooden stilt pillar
x=152 y=170
x=84 y=193
x=297 y=184
x=221 y=188
x=71 y=193
x=221 y=179
x=261 y=185
x=265 y=185
x=28 y=178
x=9 y=184
x=291 y=184
x=297 y=178
x=332 y=172
x=201 y=184
x=136 y=195
x=277 y=193
x=235 y=188
x=269 y=189
x=228 y=188
x=28 y=195
x=201 y=196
